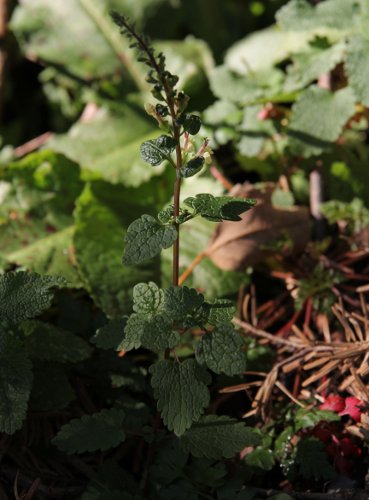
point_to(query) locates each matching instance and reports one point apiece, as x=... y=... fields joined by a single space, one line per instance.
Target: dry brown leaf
x=235 y=246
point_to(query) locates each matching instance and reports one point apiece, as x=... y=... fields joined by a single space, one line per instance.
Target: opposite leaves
x=218 y=208
x=146 y=238
x=181 y=391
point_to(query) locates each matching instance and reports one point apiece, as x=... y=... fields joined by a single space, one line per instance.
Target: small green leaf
x=220 y=311
x=110 y=335
x=147 y=298
x=218 y=208
x=215 y=437
x=26 y=295
x=220 y=351
x=192 y=167
x=181 y=391
x=191 y=124
x=261 y=457
x=146 y=238
x=133 y=332
x=181 y=301
x=99 y=431
x=15 y=383
x=155 y=151
x=310 y=418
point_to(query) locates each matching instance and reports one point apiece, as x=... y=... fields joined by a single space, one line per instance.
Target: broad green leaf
x=218 y=208
x=220 y=311
x=48 y=342
x=357 y=67
x=181 y=391
x=133 y=332
x=300 y=15
x=145 y=238
x=155 y=151
x=15 y=383
x=51 y=389
x=181 y=301
x=110 y=335
x=215 y=437
x=192 y=167
x=50 y=255
x=312 y=459
x=26 y=295
x=310 y=418
x=318 y=118
x=102 y=217
x=220 y=351
x=253 y=132
x=261 y=457
x=108 y=145
x=148 y=298
x=99 y=431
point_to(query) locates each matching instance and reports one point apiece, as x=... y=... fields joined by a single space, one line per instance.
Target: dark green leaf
x=157 y=150
x=215 y=437
x=220 y=350
x=181 y=301
x=192 y=167
x=146 y=238
x=310 y=418
x=191 y=124
x=181 y=391
x=26 y=295
x=99 y=431
x=220 y=311
x=261 y=457
x=218 y=208
x=312 y=460
x=110 y=335
x=148 y=298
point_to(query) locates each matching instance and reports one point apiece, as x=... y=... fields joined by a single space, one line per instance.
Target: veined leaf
x=148 y=298
x=192 y=167
x=181 y=301
x=26 y=295
x=218 y=208
x=181 y=391
x=110 y=335
x=155 y=151
x=220 y=351
x=146 y=238
x=357 y=67
x=215 y=437
x=99 y=431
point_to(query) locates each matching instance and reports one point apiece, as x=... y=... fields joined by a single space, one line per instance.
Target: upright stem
x=176 y=201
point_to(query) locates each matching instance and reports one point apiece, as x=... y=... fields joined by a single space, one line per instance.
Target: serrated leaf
x=192 y=167
x=312 y=460
x=48 y=342
x=310 y=418
x=220 y=311
x=155 y=151
x=146 y=238
x=147 y=298
x=26 y=295
x=15 y=383
x=218 y=208
x=133 y=332
x=357 y=67
x=99 y=431
x=215 y=437
x=110 y=335
x=179 y=301
x=318 y=117
x=220 y=351
x=181 y=391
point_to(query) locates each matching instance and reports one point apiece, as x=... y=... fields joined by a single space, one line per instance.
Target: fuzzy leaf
x=357 y=67
x=215 y=437
x=318 y=118
x=26 y=295
x=146 y=238
x=147 y=298
x=192 y=167
x=99 y=431
x=133 y=332
x=220 y=351
x=15 y=383
x=155 y=151
x=220 y=311
x=181 y=301
x=181 y=391
x=218 y=208
x=110 y=335
x=48 y=342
